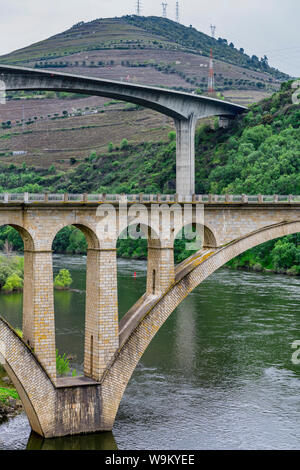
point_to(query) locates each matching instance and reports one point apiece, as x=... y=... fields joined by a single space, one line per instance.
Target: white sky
x=261 y=27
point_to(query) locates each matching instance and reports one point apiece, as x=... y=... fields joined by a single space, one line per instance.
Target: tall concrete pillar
x=160 y=270
x=101 y=320
x=185 y=155
x=38 y=308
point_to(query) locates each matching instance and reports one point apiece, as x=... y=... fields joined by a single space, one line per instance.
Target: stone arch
x=27 y=237
x=153 y=242
x=86 y=310
x=29 y=247
x=143 y=327
x=87 y=230
x=204 y=238
x=36 y=390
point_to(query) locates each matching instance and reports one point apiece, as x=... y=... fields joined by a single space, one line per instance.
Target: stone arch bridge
x=229 y=225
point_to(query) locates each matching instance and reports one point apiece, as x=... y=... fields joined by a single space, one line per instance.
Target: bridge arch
x=192 y=237
x=88 y=231
x=29 y=244
x=191 y=272
x=86 y=304
x=27 y=237
x=25 y=371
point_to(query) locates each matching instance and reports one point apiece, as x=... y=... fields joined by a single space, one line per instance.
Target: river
x=218 y=375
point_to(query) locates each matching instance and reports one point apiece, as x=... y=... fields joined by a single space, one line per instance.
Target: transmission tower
x=164 y=6
x=177 y=11
x=213 y=30
x=138 y=7
x=211 y=75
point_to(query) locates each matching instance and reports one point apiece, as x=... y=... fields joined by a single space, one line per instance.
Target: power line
x=138 y=7
x=177 y=12
x=211 y=75
x=213 y=30
x=164 y=7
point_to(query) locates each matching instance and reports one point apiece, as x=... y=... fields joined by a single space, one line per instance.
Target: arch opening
x=71 y=246
x=132 y=253
x=16 y=245
x=192 y=238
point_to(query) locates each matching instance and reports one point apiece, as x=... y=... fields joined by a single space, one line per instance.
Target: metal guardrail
x=31 y=198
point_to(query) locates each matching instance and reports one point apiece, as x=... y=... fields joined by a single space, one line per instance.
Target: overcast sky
x=261 y=27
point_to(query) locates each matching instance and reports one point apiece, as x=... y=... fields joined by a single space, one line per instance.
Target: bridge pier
x=38 y=308
x=185 y=155
x=101 y=324
x=160 y=269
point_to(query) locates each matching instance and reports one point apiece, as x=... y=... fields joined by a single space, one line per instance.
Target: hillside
x=59 y=128
x=259 y=153
x=131 y=33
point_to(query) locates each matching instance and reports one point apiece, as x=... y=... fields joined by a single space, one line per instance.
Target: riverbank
x=10 y=403
x=258 y=268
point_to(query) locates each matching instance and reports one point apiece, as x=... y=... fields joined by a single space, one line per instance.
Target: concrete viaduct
x=184 y=108
x=60 y=406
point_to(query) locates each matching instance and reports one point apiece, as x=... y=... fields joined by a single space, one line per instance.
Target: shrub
x=63 y=280
x=172 y=136
x=124 y=144
x=13 y=283
x=62 y=364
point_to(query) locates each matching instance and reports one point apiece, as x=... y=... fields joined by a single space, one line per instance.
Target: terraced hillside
x=58 y=128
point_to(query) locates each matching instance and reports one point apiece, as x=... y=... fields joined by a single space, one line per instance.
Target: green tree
x=284 y=254
x=13 y=282
x=63 y=279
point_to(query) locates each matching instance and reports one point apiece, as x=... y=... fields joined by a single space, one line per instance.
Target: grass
x=7 y=393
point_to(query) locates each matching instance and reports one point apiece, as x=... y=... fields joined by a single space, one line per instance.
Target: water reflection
x=97 y=441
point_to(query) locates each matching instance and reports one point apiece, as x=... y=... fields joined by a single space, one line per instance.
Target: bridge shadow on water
x=97 y=441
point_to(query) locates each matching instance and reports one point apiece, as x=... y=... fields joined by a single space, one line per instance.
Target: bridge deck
x=90 y=199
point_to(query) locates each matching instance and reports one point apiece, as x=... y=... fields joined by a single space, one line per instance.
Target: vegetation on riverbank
x=63 y=280
x=11 y=273
x=280 y=256
x=10 y=403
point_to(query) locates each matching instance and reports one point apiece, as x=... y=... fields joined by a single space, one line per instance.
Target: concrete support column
x=185 y=155
x=101 y=321
x=38 y=308
x=160 y=270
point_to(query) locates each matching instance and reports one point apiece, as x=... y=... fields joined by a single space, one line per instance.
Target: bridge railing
x=31 y=198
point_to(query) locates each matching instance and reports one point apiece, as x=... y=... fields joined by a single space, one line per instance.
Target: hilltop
x=148 y=50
